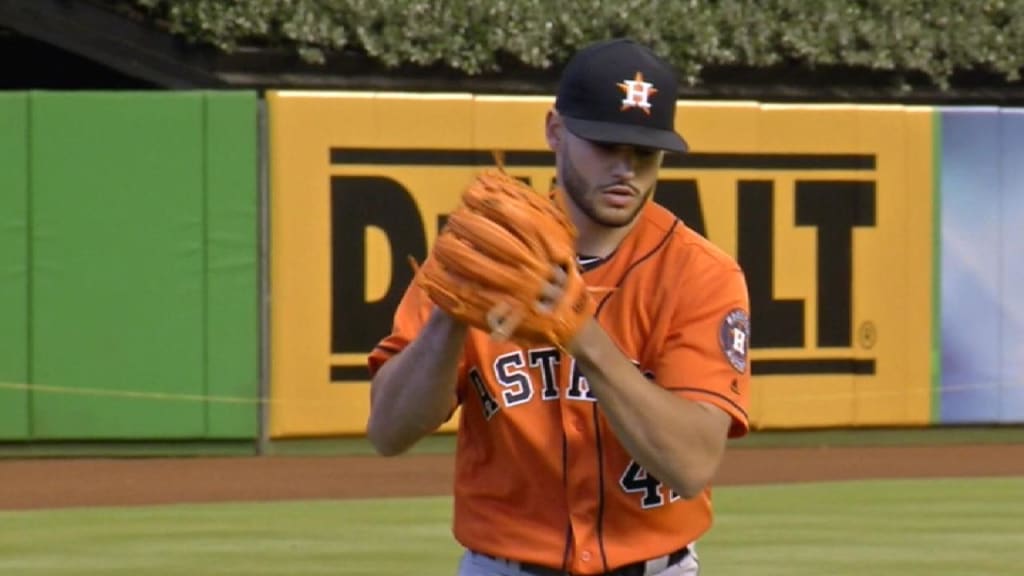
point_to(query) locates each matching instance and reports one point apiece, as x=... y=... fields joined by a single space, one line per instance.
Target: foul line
x=853 y=393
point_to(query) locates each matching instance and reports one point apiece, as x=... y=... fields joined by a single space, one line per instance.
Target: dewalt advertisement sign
x=827 y=208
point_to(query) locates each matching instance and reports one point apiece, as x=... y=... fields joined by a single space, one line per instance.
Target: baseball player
x=591 y=453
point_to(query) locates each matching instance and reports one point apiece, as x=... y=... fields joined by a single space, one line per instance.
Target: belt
x=641 y=568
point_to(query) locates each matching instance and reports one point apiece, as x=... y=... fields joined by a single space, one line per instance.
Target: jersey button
x=585 y=556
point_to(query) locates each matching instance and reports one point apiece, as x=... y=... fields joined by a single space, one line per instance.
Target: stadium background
x=199 y=245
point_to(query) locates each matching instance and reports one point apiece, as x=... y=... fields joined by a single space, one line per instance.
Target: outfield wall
x=982 y=282
x=879 y=244
x=128 y=266
x=828 y=208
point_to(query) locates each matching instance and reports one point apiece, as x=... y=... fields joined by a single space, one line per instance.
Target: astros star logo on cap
x=637 y=93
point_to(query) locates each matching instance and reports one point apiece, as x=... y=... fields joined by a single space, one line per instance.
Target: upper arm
x=720 y=423
x=706 y=352
x=411 y=316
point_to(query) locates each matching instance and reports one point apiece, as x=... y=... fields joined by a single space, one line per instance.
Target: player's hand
x=506 y=263
x=552 y=291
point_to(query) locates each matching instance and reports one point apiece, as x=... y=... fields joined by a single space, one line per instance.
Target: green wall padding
x=14 y=398
x=118 y=265
x=232 y=281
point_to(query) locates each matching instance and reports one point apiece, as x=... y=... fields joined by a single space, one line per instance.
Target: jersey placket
x=582 y=485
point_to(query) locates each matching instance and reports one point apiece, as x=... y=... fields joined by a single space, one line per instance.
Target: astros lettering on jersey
x=540 y=476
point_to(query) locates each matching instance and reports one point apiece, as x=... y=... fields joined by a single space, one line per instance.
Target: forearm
x=413 y=393
x=678 y=441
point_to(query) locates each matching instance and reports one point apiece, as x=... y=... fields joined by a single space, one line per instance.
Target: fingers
x=558 y=276
x=552 y=291
x=502 y=321
x=549 y=297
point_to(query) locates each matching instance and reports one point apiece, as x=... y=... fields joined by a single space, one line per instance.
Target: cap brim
x=612 y=133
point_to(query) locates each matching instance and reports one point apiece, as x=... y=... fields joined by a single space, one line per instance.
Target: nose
x=624 y=162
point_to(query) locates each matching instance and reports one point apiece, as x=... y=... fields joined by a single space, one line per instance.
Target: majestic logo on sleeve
x=637 y=93
x=734 y=335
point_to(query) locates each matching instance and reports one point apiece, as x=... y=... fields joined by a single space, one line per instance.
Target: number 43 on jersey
x=636 y=480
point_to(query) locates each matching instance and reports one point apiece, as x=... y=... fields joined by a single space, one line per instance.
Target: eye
x=642 y=153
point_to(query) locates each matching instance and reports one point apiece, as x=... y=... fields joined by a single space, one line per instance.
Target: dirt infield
x=47 y=483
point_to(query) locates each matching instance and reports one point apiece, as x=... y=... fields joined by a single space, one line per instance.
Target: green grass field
x=904 y=528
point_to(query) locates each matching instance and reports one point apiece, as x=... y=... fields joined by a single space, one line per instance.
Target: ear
x=553 y=129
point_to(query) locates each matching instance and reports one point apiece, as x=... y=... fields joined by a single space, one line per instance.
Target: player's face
x=609 y=183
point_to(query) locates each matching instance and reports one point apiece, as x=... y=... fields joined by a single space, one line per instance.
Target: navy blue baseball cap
x=620 y=92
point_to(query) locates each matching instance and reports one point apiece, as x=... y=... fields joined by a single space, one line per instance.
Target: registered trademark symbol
x=867 y=335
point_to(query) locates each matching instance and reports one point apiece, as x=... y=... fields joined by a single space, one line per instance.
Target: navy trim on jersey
x=588 y=263
x=636 y=263
x=568 y=520
x=600 y=488
x=715 y=394
x=390 y=349
x=597 y=429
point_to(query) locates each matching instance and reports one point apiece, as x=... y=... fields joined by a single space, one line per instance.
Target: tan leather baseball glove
x=494 y=262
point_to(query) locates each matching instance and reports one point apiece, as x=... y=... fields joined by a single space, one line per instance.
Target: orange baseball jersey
x=540 y=476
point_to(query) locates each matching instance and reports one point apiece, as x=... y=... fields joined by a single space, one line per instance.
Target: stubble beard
x=586 y=199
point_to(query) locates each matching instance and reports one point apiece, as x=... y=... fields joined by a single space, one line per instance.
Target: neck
x=597 y=240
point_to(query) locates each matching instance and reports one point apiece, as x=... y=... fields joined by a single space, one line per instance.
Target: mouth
x=619 y=196
x=620 y=190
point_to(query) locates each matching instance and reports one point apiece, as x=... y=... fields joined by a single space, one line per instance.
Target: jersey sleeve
x=410 y=317
x=706 y=353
